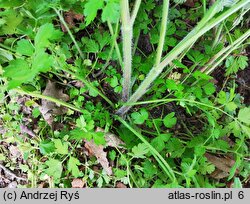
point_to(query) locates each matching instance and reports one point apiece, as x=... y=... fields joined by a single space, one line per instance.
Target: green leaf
x=73 y=164
x=169 y=120
x=90 y=45
x=231 y=106
x=46 y=147
x=99 y=138
x=243 y=62
x=222 y=97
x=140 y=117
x=91 y=8
x=237 y=183
x=36 y=112
x=246 y=130
x=233 y=64
x=221 y=144
x=112 y=155
x=54 y=169
x=120 y=173
x=2 y=157
x=195 y=56
x=149 y=169
x=205 y=167
x=140 y=150
x=199 y=150
x=19 y=72
x=111 y=12
x=171 y=84
x=93 y=92
x=80 y=122
x=175 y=147
x=209 y=88
x=45 y=34
x=159 y=142
x=79 y=134
x=24 y=47
x=103 y=39
x=10 y=21
x=244 y=115
x=195 y=141
x=61 y=148
x=171 y=42
x=10 y=3
x=114 y=82
x=41 y=62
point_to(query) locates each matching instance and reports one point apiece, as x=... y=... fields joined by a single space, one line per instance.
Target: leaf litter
x=98 y=150
x=50 y=109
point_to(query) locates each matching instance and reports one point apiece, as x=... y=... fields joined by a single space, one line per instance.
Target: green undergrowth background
x=191 y=128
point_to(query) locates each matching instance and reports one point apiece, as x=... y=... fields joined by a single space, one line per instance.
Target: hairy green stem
x=164 y=22
x=218 y=35
x=127 y=35
x=197 y=32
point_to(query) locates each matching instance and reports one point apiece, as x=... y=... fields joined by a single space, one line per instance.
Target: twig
x=11 y=174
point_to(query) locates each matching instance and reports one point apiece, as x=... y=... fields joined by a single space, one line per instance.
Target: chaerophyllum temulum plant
x=41 y=53
x=212 y=18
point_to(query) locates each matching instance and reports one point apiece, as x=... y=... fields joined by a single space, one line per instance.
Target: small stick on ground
x=11 y=174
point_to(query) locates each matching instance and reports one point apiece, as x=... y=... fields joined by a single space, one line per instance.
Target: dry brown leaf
x=120 y=185
x=15 y=152
x=111 y=139
x=70 y=17
x=223 y=165
x=48 y=108
x=41 y=185
x=25 y=129
x=190 y=3
x=219 y=174
x=77 y=183
x=100 y=154
x=13 y=184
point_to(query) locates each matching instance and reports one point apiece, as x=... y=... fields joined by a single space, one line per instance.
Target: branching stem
x=207 y=23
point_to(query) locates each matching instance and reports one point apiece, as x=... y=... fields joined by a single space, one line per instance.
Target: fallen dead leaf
x=41 y=185
x=13 y=184
x=98 y=151
x=25 y=129
x=111 y=139
x=15 y=152
x=100 y=154
x=223 y=165
x=48 y=108
x=70 y=17
x=120 y=185
x=219 y=174
x=77 y=183
x=190 y=3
